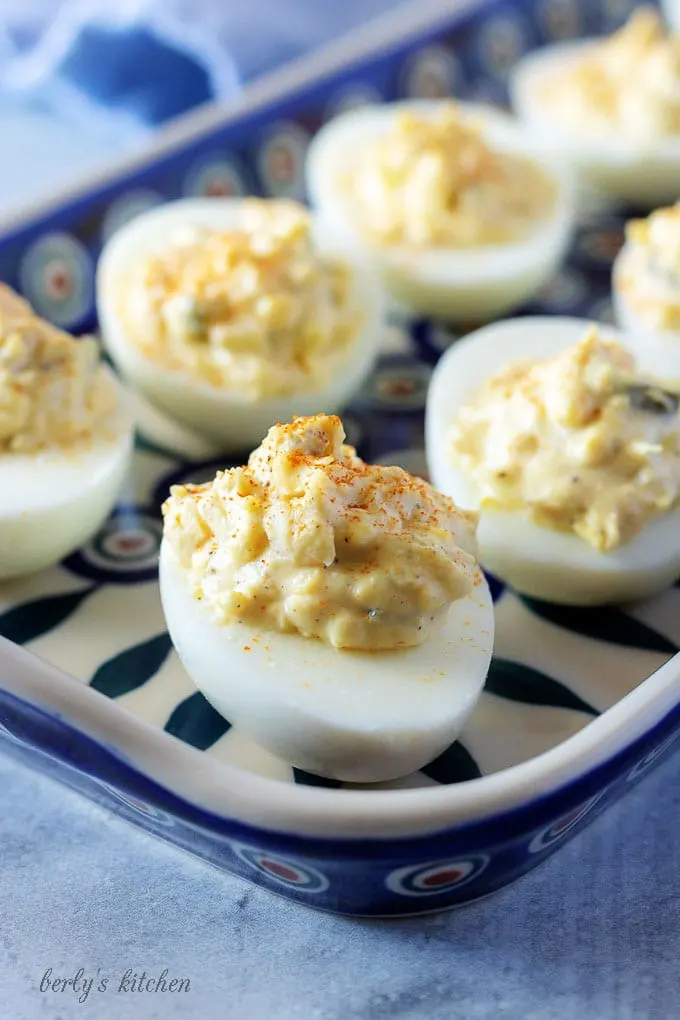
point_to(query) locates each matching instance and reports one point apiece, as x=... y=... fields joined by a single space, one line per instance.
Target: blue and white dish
x=579 y=704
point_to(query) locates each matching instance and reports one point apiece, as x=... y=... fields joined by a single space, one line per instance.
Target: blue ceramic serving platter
x=578 y=705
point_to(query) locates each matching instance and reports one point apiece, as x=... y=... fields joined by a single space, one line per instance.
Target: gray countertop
x=593 y=934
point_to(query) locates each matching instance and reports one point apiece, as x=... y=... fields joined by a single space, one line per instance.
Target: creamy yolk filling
x=434 y=181
x=580 y=441
x=310 y=539
x=629 y=83
x=51 y=390
x=254 y=309
x=650 y=273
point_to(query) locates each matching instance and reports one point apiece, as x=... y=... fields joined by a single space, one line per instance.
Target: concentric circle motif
x=214 y=177
x=431 y=73
x=56 y=275
x=559 y=829
x=280 y=162
x=399 y=386
x=564 y=292
x=414 y=461
x=502 y=42
x=140 y=807
x=560 y=19
x=124 y=551
x=651 y=757
x=436 y=877
x=352 y=97
x=125 y=208
x=283 y=870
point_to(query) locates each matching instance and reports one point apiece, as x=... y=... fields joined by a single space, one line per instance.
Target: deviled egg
x=232 y=314
x=566 y=440
x=646 y=285
x=65 y=439
x=332 y=609
x=462 y=213
x=611 y=107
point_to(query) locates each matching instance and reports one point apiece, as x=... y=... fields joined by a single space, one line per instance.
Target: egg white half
x=354 y=716
x=464 y=284
x=225 y=417
x=642 y=175
x=664 y=342
x=551 y=565
x=51 y=502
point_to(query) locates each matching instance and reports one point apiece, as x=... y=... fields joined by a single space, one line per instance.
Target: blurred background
x=84 y=80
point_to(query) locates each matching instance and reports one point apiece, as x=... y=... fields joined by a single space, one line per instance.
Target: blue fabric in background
x=137 y=70
x=123 y=71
